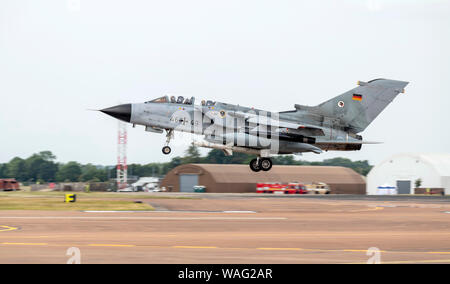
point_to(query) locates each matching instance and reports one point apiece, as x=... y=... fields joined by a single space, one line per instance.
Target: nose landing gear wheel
x=166 y=150
x=254 y=165
x=265 y=164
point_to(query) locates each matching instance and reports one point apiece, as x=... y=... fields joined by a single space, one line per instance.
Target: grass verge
x=10 y=203
x=108 y=195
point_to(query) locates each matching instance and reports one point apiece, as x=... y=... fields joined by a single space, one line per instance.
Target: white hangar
x=404 y=171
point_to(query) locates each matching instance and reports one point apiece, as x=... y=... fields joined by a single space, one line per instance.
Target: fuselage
x=239 y=126
x=330 y=125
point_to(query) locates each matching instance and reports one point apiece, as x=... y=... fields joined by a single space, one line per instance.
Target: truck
x=281 y=188
x=318 y=188
x=9 y=184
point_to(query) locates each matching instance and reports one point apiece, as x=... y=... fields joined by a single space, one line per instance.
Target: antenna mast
x=122 y=156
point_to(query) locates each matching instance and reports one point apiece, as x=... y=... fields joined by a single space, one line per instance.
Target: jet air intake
x=297 y=138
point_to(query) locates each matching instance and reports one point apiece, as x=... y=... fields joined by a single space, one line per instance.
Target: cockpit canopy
x=180 y=100
x=208 y=103
x=160 y=100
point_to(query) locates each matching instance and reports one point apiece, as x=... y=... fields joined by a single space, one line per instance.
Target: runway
x=235 y=230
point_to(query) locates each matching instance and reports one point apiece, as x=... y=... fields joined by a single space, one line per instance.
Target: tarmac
x=236 y=228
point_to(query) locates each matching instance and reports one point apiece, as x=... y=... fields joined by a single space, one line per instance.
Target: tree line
x=42 y=167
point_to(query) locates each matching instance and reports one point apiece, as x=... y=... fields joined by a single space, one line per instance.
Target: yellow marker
x=279 y=248
x=194 y=247
x=70 y=198
x=110 y=245
x=25 y=244
x=7 y=228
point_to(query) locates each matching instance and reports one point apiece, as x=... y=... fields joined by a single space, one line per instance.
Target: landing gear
x=254 y=165
x=265 y=164
x=258 y=164
x=166 y=149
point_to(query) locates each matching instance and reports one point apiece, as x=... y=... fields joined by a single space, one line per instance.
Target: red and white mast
x=122 y=167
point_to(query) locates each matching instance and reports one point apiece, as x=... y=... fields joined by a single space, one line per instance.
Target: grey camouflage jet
x=331 y=125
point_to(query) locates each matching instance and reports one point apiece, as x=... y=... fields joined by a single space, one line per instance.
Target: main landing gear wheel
x=265 y=164
x=166 y=150
x=254 y=165
x=258 y=164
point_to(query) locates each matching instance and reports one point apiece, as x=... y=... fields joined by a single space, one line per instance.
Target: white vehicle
x=156 y=189
x=318 y=188
x=146 y=184
x=127 y=189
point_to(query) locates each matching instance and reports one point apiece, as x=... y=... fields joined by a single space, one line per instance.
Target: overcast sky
x=59 y=58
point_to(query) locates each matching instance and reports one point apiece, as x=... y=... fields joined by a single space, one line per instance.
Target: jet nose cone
x=122 y=112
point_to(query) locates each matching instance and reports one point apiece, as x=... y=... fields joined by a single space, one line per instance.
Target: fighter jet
x=331 y=125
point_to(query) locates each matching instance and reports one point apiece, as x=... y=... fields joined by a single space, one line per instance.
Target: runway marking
x=25 y=244
x=239 y=211
x=280 y=249
x=410 y=261
x=7 y=228
x=359 y=250
x=144 y=218
x=24 y=237
x=194 y=247
x=110 y=245
x=230 y=248
x=377 y=208
x=417 y=261
x=117 y=211
x=176 y=211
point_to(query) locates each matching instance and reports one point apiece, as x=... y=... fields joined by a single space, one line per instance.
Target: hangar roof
x=439 y=161
x=225 y=173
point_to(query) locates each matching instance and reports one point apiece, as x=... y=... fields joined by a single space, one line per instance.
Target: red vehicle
x=281 y=188
x=9 y=184
x=296 y=188
x=266 y=187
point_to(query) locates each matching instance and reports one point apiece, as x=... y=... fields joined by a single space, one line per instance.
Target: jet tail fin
x=358 y=107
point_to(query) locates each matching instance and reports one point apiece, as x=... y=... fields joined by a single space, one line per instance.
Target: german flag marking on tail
x=357 y=97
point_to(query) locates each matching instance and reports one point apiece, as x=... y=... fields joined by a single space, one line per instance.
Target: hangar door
x=446 y=184
x=404 y=186
x=187 y=182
